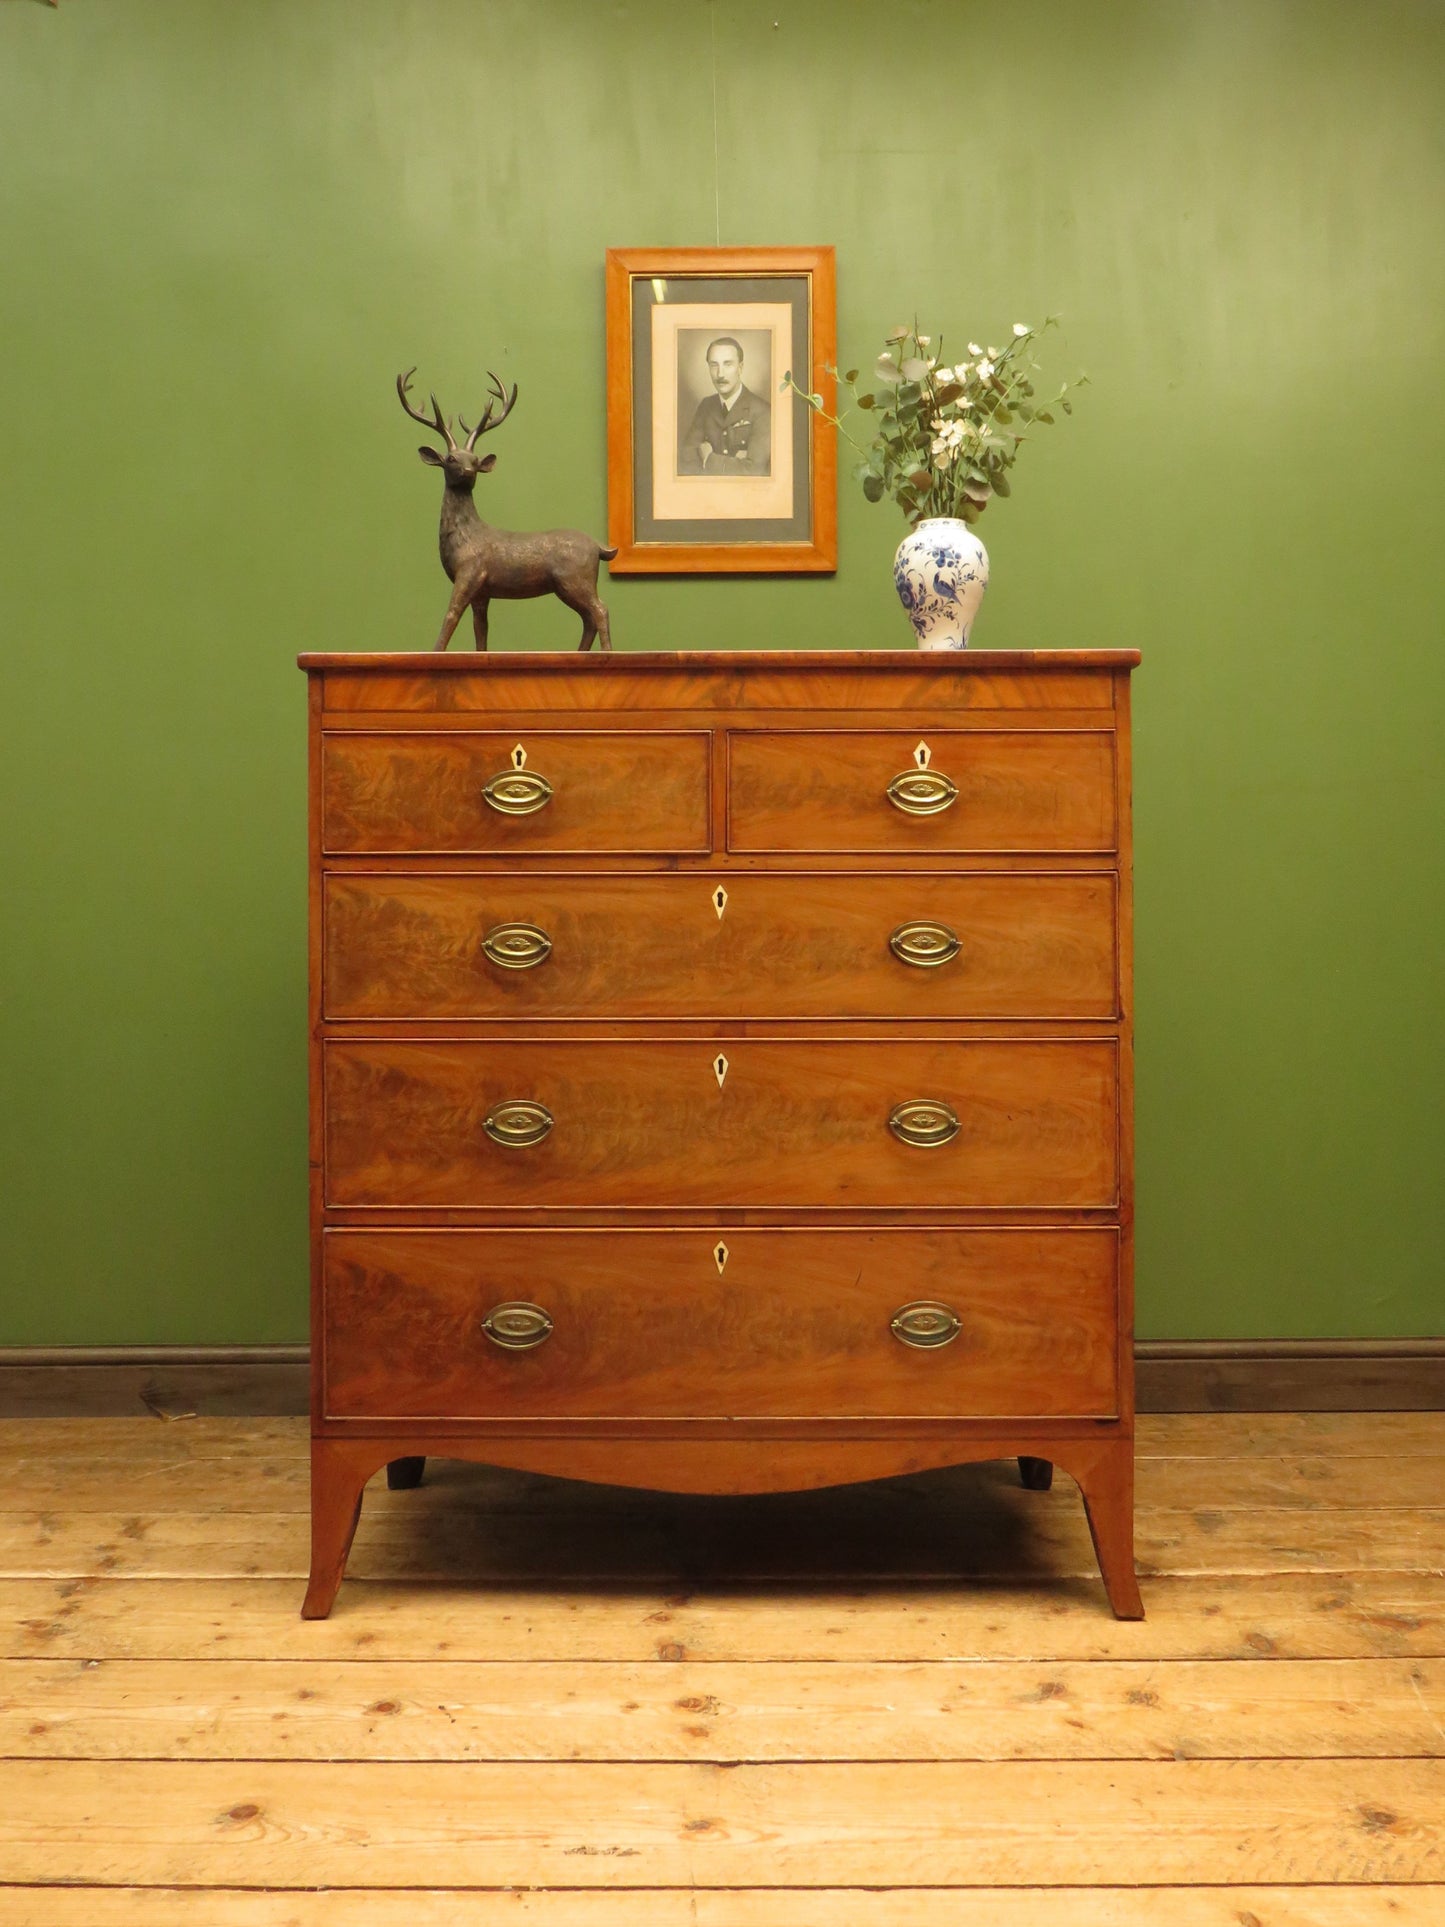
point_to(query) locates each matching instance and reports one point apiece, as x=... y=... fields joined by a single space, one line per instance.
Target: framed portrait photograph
x=712 y=465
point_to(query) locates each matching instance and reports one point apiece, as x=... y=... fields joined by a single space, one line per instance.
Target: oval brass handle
x=924 y=944
x=922 y=792
x=517 y=946
x=923 y=1120
x=517 y=1326
x=925 y=1325
x=517 y=792
x=518 y=1121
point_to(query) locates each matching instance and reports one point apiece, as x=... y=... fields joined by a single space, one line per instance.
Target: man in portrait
x=731 y=429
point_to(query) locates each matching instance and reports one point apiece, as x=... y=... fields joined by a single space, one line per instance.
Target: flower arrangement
x=945 y=434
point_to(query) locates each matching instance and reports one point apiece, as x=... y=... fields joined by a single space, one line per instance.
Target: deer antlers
x=499 y=394
x=438 y=426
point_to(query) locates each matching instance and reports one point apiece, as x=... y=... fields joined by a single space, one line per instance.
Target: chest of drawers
x=721 y=1073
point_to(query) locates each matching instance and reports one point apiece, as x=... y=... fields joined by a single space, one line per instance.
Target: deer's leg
x=594 y=617
x=462 y=592
x=480 y=606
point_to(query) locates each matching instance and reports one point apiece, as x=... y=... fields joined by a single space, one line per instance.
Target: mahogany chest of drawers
x=721 y=1072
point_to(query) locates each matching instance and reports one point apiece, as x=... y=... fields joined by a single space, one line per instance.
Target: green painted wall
x=224 y=227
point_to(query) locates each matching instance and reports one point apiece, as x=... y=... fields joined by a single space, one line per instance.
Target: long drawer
x=650 y=1124
x=519 y=944
x=952 y=790
x=731 y=1324
x=487 y=790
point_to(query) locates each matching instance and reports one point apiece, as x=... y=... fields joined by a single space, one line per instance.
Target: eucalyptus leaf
x=864 y=401
x=873 y=487
x=886 y=369
x=1001 y=484
x=1044 y=416
x=915 y=369
x=851 y=376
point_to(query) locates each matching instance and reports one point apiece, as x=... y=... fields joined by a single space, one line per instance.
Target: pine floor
x=901 y=1705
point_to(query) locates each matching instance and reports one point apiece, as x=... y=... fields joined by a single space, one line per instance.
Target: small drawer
x=946 y=790
x=729 y=1324
x=644 y=1124
x=881 y=944
x=468 y=791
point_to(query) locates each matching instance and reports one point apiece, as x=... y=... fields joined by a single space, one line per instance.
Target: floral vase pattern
x=941 y=572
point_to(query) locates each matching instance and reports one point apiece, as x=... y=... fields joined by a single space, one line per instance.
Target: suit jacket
x=741 y=437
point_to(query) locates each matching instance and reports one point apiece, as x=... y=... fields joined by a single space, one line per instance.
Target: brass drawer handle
x=925 y=1325
x=517 y=792
x=517 y=1326
x=517 y=946
x=518 y=1121
x=925 y=945
x=922 y=792
x=923 y=1120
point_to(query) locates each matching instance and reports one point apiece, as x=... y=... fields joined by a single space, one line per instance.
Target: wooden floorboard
x=838 y=1710
x=1284 y=1616
x=1300 y=1906
x=422 y=1536
x=890 y=1706
x=874 y=1823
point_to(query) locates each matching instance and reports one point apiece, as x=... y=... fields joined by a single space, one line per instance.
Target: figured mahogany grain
x=1018 y=790
x=410 y=945
x=644 y=1124
x=645 y=1324
x=422 y=790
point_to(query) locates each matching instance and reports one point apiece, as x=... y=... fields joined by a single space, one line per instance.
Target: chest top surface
x=724 y=680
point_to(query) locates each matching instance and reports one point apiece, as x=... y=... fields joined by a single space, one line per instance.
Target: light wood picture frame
x=714 y=466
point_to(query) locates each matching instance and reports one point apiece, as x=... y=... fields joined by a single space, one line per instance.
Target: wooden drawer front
x=647 y=1124
x=425 y=790
x=655 y=946
x=797 y=1324
x=1017 y=790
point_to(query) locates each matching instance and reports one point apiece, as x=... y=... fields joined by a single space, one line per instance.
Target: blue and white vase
x=941 y=572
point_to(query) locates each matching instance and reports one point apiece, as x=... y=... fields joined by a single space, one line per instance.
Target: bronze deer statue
x=483 y=562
